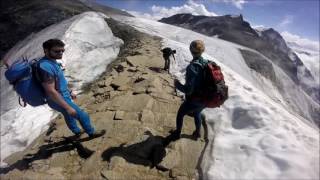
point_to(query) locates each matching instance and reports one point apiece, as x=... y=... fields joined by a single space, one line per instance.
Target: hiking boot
x=196 y=134
x=97 y=133
x=76 y=136
x=175 y=135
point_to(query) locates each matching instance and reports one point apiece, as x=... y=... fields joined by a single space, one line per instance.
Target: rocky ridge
x=134 y=100
x=20 y=18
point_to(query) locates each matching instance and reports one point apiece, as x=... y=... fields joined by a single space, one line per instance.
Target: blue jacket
x=194 y=77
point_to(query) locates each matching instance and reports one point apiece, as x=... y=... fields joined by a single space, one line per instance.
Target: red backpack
x=214 y=91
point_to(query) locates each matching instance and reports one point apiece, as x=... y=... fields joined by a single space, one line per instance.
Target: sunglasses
x=58 y=51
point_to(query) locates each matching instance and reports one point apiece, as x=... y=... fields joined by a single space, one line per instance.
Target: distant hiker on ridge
x=193 y=82
x=55 y=86
x=167 y=52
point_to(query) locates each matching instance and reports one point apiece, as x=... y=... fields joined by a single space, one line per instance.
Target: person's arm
x=6 y=64
x=51 y=92
x=193 y=71
x=47 y=78
x=73 y=95
x=173 y=57
x=5 y=60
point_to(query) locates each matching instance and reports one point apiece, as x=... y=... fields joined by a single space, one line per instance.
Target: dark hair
x=52 y=43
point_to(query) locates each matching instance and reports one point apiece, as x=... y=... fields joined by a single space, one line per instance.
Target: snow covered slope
x=255 y=134
x=268 y=42
x=308 y=52
x=90 y=47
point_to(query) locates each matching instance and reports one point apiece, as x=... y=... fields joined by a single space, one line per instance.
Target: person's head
x=53 y=48
x=196 y=48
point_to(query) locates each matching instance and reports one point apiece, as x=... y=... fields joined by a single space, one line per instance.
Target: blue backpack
x=23 y=76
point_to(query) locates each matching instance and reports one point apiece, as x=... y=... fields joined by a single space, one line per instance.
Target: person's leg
x=83 y=117
x=70 y=121
x=166 y=64
x=185 y=108
x=197 y=121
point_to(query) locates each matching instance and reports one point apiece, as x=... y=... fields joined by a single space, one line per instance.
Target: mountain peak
x=210 y=25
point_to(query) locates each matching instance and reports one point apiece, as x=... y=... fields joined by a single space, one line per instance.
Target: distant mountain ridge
x=20 y=18
x=267 y=41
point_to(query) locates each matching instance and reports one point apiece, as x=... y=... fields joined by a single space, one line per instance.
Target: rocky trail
x=135 y=102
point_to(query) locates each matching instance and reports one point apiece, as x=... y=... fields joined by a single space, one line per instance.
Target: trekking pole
x=174 y=87
x=174 y=58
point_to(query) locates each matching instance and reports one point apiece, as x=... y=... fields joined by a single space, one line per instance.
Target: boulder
x=171 y=160
x=147 y=116
x=119 y=115
x=120 y=81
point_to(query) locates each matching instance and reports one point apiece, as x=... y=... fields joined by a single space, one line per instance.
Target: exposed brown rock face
x=20 y=18
x=134 y=101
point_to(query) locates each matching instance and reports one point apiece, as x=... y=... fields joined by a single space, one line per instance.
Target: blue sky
x=297 y=17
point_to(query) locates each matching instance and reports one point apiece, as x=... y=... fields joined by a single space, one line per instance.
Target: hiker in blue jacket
x=59 y=97
x=194 y=78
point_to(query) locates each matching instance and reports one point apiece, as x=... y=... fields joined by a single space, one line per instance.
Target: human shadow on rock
x=156 y=69
x=47 y=150
x=148 y=152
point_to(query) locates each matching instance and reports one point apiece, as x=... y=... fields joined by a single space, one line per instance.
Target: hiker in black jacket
x=167 y=52
x=194 y=79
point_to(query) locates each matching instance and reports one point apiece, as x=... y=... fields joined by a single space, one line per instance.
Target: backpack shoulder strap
x=198 y=64
x=37 y=74
x=202 y=65
x=36 y=68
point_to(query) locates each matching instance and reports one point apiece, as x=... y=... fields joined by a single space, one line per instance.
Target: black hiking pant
x=188 y=107
x=166 y=63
